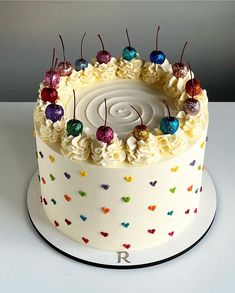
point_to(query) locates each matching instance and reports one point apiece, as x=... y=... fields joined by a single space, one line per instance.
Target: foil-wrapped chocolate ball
x=52 y=77
x=105 y=134
x=103 y=57
x=141 y=132
x=74 y=127
x=49 y=94
x=193 y=87
x=129 y=53
x=191 y=106
x=54 y=112
x=81 y=64
x=169 y=125
x=157 y=57
x=65 y=68
x=180 y=70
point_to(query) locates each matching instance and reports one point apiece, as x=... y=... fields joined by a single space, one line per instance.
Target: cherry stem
x=128 y=38
x=182 y=53
x=168 y=110
x=138 y=115
x=82 y=44
x=62 y=43
x=106 y=112
x=190 y=70
x=101 y=42
x=53 y=59
x=74 y=104
x=158 y=28
x=52 y=70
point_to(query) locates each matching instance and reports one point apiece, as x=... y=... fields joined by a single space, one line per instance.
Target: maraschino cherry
x=156 y=56
x=192 y=106
x=81 y=63
x=74 y=126
x=169 y=124
x=65 y=67
x=105 y=133
x=50 y=94
x=55 y=74
x=129 y=52
x=193 y=86
x=54 y=112
x=180 y=70
x=103 y=56
x=141 y=131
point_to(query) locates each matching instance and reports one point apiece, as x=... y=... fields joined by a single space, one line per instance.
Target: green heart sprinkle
x=53 y=201
x=82 y=193
x=196 y=191
x=199 y=167
x=170 y=213
x=126 y=199
x=52 y=177
x=173 y=189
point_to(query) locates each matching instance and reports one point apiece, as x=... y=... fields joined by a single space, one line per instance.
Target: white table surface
x=28 y=264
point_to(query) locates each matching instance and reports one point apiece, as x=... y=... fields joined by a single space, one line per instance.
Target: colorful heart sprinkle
x=171 y=233
x=67 y=197
x=129 y=178
x=83 y=218
x=187 y=211
x=53 y=201
x=83 y=173
x=40 y=198
x=39 y=178
x=43 y=180
x=192 y=163
x=195 y=211
x=85 y=240
x=105 y=186
x=153 y=183
x=105 y=210
x=68 y=222
x=126 y=199
x=52 y=159
x=82 y=193
x=105 y=234
x=196 y=191
x=202 y=144
x=174 y=169
x=56 y=223
x=41 y=154
x=199 y=167
x=52 y=177
x=203 y=167
x=44 y=201
x=190 y=188
x=201 y=189
x=173 y=189
x=206 y=138
x=152 y=208
x=67 y=175
x=126 y=225
x=151 y=231
x=170 y=213
x=127 y=246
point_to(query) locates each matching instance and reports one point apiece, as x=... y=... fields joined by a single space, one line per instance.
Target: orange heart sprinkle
x=190 y=188
x=152 y=208
x=105 y=210
x=67 y=197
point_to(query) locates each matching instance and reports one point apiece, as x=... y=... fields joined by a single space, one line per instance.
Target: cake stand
x=124 y=259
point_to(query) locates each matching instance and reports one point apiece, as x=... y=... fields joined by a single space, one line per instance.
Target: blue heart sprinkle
x=105 y=186
x=125 y=224
x=41 y=154
x=83 y=218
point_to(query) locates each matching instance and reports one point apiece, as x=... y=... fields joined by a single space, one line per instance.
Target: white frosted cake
x=140 y=187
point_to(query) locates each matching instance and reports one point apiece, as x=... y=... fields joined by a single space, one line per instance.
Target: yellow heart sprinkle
x=83 y=173
x=52 y=159
x=174 y=169
x=129 y=178
x=202 y=144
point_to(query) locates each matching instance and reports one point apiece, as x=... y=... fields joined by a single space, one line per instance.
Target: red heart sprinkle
x=85 y=240
x=151 y=231
x=40 y=198
x=195 y=211
x=171 y=233
x=68 y=222
x=56 y=223
x=187 y=212
x=105 y=234
x=201 y=189
x=45 y=201
x=43 y=180
x=127 y=246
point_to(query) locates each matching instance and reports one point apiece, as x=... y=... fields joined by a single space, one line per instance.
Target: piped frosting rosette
x=76 y=148
x=141 y=152
x=129 y=69
x=50 y=131
x=155 y=73
x=108 y=154
x=81 y=77
x=104 y=71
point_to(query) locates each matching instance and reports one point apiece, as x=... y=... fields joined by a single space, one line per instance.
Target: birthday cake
x=120 y=148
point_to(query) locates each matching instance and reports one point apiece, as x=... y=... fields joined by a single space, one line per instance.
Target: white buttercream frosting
x=39 y=111
x=141 y=152
x=129 y=69
x=108 y=154
x=50 y=131
x=76 y=148
x=81 y=77
x=104 y=71
x=155 y=73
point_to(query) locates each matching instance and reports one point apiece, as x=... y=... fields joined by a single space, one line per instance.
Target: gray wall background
x=29 y=30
